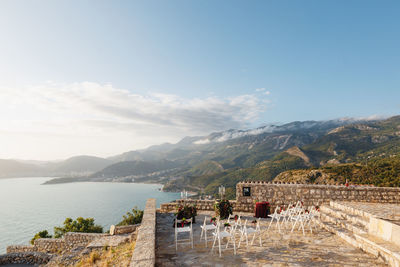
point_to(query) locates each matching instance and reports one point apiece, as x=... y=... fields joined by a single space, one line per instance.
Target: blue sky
x=316 y=60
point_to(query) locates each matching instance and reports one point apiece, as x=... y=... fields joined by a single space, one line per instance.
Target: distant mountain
x=202 y=163
x=135 y=168
x=80 y=165
x=360 y=151
x=13 y=168
x=75 y=166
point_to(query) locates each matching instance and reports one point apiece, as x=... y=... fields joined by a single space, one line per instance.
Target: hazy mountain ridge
x=260 y=153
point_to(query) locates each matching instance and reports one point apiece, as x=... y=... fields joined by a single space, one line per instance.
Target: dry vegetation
x=119 y=256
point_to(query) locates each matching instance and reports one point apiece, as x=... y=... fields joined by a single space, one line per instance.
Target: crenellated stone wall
x=284 y=193
x=312 y=194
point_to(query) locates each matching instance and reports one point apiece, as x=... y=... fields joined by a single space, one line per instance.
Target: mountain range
x=269 y=152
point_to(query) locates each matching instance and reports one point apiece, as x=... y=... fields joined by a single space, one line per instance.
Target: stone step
x=350 y=226
x=355 y=219
x=386 y=250
x=375 y=246
x=339 y=231
x=350 y=210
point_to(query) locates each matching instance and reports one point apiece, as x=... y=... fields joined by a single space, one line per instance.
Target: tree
x=133 y=217
x=41 y=234
x=80 y=225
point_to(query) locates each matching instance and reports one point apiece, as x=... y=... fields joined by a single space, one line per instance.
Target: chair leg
x=219 y=246
x=176 y=243
x=215 y=239
x=294 y=225
x=202 y=230
x=191 y=238
x=279 y=227
x=272 y=219
x=252 y=240
x=234 y=245
x=205 y=237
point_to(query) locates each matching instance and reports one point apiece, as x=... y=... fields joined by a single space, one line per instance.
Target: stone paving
x=320 y=248
x=384 y=211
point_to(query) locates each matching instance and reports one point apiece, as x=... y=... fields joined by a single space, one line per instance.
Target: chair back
x=229 y=218
x=238 y=222
x=205 y=221
x=190 y=221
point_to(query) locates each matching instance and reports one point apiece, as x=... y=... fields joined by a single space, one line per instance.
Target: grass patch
x=107 y=257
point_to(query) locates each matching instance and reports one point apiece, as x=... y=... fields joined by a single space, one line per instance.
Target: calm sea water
x=27 y=207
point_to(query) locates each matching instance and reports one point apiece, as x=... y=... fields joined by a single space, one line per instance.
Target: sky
x=104 y=77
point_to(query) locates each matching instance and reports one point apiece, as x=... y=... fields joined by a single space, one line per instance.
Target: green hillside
x=363 y=153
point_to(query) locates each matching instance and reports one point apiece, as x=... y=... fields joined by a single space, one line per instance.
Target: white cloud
x=100 y=119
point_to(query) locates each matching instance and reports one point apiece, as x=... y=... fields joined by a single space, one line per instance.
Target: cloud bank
x=103 y=120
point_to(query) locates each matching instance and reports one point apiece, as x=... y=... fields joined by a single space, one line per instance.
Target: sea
x=27 y=206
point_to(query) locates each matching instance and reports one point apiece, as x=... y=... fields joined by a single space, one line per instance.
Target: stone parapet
x=49 y=245
x=200 y=204
x=278 y=194
x=73 y=240
x=283 y=194
x=54 y=245
x=125 y=229
x=30 y=258
x=144 y=253
x=20 y=248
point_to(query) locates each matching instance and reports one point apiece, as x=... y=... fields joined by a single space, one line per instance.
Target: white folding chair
x=226 y=233
x=275 y=216
x=312 y=214
x=301 y=217
x=206 y=227
x=246 y=231
x=184 y=229
x=238 y=221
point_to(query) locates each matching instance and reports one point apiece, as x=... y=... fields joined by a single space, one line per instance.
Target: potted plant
x=213 y=220
x=223 y=209
x=186 y=211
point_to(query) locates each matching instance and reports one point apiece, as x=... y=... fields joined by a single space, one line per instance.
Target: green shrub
x=133 y=217
x=41 y=234
x=223 y=209
x=186 y=211
x=80 y=225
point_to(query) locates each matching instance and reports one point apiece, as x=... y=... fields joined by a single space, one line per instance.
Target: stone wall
x=31 y=258
x=283 y=194
x=144 y=254
x=55 y=245
x=73 y=240
x=200 y=205
x=125 y=229
x=20 y=248
x=49 y=245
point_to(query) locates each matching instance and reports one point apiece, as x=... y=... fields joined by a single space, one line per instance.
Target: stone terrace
x=389 y=212
x=321 y=248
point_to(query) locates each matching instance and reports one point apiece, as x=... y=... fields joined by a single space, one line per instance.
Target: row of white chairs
x=220 y=231
x=294 y=215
